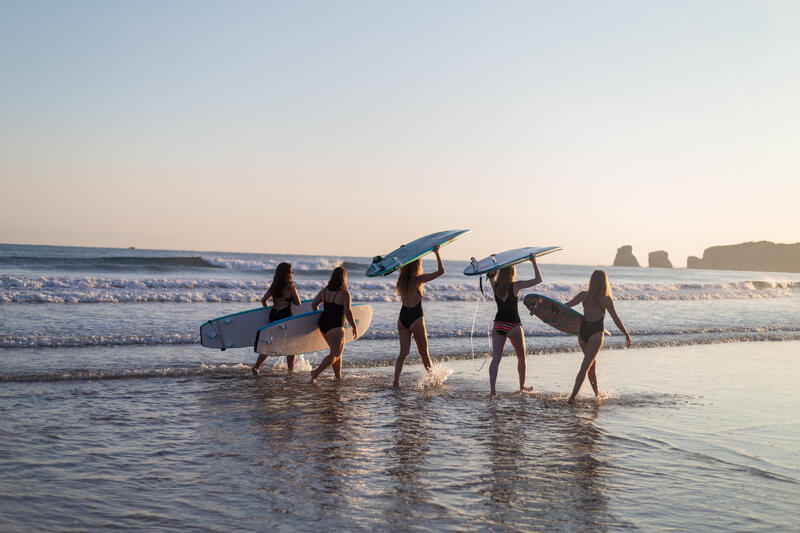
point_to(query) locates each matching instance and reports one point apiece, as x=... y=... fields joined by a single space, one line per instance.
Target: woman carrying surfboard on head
x=337 y=300
x=411 y=322
x=283 y=293
x=507 y=324
x=596 y=301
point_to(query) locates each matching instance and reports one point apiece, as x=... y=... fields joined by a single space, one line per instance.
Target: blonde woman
x=596 y=301
x=337 y=301
x=411 y=322
x=507 y=324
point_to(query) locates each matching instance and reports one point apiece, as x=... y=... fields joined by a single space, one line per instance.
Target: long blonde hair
x=504 y=281
x=408 y=282
x=598 y=288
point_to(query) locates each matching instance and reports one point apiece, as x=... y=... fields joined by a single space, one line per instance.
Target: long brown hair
x=408 y=281
x=281 y=280
x=504 y=281
x=338 y=279
x=598 y=288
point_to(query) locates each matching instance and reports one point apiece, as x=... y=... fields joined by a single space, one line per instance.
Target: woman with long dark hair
x=596 y=301
x=411 y=322
x=336 y=299
x=507 y=324
x=283 y=293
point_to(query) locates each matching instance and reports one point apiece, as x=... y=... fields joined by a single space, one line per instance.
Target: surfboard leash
x=488 y=328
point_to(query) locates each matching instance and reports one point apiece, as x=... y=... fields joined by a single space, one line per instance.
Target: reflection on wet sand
x=542 y=466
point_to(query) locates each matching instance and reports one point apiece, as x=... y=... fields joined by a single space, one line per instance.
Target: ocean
x=115 y=417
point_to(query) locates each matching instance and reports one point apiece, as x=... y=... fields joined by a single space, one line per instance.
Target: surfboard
x=385 y=265
x=554 y=313
x=507 y=258
x=300 y=334
x=239 y=329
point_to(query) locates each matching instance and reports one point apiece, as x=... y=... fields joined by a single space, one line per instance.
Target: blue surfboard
x=507 y=258
x=385 y=265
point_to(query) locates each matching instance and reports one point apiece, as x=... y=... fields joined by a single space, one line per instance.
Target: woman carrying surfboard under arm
x=507 y=324
x=411 y=322
x=283 y=293
x=596 y=301
x=337 y=300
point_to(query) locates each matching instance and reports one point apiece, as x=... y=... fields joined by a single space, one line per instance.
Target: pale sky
x=348 y=128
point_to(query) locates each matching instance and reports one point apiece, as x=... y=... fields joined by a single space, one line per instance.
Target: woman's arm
x=348 y=313
x=295 y=294
x=425 y=278
x=519 y=285
x=266 y=296
x=613 y=312
x=577 y=300
x=317 y=300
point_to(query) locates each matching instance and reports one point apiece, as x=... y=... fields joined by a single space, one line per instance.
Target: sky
x=350 y=127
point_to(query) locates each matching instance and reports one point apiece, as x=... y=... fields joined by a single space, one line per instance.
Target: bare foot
x=255 y=371
x=571 y=400
x=396 y=384
x=526 y=389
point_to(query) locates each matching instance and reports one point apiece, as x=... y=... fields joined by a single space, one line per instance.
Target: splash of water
x=434 y=378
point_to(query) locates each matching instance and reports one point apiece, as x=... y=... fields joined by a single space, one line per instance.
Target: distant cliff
x=659 y=259
x=763 y=256
x=625 y=257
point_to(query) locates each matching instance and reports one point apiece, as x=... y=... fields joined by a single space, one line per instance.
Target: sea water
x=115 y=417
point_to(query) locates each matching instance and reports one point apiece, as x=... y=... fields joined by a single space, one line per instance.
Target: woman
x=507 y=324
x=283 y=293
x=411 y=322
x=336 y=298
x=596 y=301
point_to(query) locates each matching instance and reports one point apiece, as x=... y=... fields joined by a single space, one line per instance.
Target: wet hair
x=338 y=279
x=408 y=281
x=504 y=280
x=598 y=288
x=281 y=280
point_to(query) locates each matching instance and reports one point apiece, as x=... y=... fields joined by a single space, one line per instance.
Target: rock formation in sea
x=762 y=256
x=625 y=257
x=659 y=259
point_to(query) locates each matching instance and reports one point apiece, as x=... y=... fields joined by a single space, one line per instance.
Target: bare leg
x=420 y=335
x=518 y=342
x=404 y=335
x=335 y=339
x=498 y=342
x=590 y=350
x=592 y=375
x=290 y=362
x=258 y=364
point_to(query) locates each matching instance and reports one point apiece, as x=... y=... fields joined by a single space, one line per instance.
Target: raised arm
x=577 y=300
x=425 y=278
x=266 y=296
x=348 y=313
x=615 y=317
x=519 y=285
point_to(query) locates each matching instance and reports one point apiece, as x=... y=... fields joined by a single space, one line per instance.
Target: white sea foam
x=61 y=289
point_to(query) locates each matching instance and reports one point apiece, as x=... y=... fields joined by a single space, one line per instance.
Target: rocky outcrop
x=659 y=259
x=625 y=257
x=761 y=256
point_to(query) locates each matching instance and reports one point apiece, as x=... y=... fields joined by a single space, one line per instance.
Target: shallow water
x=114 y=417
x=699 y=437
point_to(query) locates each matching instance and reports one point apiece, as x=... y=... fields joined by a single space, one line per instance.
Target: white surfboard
x=300 y=334
x=385 y=265
x=239 y=330
x=507 y=258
